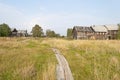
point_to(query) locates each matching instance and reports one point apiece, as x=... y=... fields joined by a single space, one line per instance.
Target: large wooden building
x=82 y=32
x=112 y=31
x=100 y=32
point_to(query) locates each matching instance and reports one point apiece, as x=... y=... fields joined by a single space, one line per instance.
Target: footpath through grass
x=91 y=59
x=33 y=59
x=22 y=59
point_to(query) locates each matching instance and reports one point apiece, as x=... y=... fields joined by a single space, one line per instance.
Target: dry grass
x=48 y=73
x=26 y=59
x=33 y=59
x=91 y=59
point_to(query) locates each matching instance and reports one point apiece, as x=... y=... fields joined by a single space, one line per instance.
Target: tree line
x=37 y=31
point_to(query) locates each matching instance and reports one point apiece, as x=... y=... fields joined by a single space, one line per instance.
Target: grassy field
x=33 y=59
x=91 y=59
x=22 y=59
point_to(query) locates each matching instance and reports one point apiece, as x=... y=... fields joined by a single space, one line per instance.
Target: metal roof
x=99 y=28
x=83 y=29
x=112 y=27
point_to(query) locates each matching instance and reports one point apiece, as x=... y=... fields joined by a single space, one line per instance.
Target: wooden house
x=112 y=31
x=14 y=32
x=18 y=33
x=82 y=32
x=100 y=32
x=22 y=33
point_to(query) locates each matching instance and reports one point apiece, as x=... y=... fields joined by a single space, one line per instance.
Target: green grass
x=33 y=59
x=29 y=60
x=91 y=60
x=94 y=64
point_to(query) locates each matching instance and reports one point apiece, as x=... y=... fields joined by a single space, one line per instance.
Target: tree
x=50 y=33
x=118 y=34
x=57 y=35
x=69 y=33
x=37 y=31
x=4 y=30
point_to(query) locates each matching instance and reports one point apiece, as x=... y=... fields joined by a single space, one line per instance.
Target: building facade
x=22 y=33
x=98 y=32
x=112 y=31
x=18 y=33
x=14 y=32
x=82 y=32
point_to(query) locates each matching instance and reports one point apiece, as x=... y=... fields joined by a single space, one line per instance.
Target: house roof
x=99 y=28
x=83 y=29
x=112 y=27
x=14 y=30
x=22 y=31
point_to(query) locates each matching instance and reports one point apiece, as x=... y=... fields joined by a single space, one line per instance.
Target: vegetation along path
x=63 y=70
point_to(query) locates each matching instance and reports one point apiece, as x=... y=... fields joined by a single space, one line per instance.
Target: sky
x=58 y=15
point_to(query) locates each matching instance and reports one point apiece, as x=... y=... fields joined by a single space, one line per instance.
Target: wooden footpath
x=62 y=70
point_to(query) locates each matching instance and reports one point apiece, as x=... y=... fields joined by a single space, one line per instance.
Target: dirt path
x=63 y=70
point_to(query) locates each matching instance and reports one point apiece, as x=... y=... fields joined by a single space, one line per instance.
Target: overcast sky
x=58 y=15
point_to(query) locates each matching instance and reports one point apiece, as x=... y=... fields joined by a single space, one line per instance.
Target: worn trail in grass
x=91 y=59
x=63 y=70
x=26 y=60
x=34 y=59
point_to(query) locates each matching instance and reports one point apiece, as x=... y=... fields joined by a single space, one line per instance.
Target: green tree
x=37 y=31
x=69 y=33
x=118 y=34
x=50 y=33
x=4 y=30
x=57 y=35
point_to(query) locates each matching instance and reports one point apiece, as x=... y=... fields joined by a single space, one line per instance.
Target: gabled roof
x=112 y=27
x=83 y=29
x=14 y=30
x=99 y=28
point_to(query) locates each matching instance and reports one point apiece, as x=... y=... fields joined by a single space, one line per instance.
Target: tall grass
x=26 y=60
x=33 y=59
x=91 y=60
